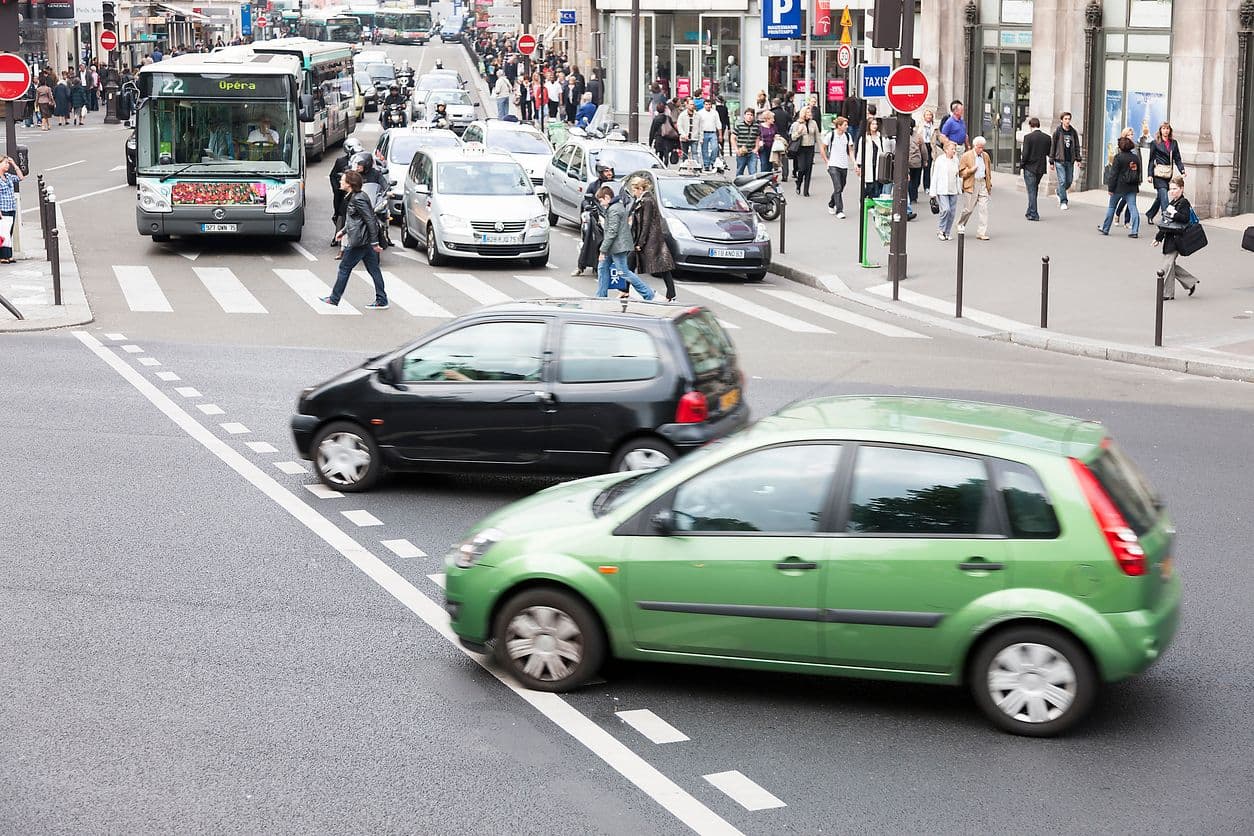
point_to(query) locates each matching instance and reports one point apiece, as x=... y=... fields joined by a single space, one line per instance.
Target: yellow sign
x=844 y=36
x=846 y=20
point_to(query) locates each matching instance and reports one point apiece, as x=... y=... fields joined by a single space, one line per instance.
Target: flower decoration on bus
x=219 y=194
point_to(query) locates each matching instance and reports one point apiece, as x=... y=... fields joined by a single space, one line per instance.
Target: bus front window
x=257 y=137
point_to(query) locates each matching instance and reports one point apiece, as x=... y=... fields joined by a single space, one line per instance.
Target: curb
x=72 y=296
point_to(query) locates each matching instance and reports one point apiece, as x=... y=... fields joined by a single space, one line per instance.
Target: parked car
x=573 y=166
x=545 y=386
x=1016 y=552
x=469 y=203
x=523 y=142
x=398 y=146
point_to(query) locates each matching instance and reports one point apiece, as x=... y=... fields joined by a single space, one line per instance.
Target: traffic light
x=887 y=17
x=110 y=16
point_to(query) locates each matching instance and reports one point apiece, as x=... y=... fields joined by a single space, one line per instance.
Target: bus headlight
x=284 y=197
x=154 y=197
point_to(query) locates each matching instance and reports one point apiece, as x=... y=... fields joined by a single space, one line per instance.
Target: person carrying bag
x=1180 y=234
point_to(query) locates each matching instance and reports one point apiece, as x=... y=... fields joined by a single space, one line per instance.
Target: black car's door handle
x=979 y=564
x=795 y=563
x=545 y=397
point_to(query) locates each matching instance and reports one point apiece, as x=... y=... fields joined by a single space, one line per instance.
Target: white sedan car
x=523 y=142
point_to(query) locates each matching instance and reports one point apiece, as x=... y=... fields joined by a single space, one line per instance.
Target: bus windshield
x=217 y=136
x=346 y=29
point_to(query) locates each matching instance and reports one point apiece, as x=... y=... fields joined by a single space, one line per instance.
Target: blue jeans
x=502 y=107
x=1033 y=181
x=948 y=212
x=1065 y=172
x=1130 y=197
x=745 y=163
x=1159 y=205
x=619 y=261
x=350 y=259
x=764 y=159
x=709 y=148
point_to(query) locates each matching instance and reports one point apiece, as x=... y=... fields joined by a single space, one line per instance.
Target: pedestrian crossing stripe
x=406 y=298
x=744 y=306
x=141 y=290
x=312 y=290
x=228 y=291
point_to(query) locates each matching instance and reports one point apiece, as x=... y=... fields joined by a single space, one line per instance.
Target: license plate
x=715 y=252
x=500 y=239
x=219 y=227
x=728 y=400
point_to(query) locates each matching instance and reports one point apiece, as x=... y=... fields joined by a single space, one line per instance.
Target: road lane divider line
x=228 y=291
x=63 y=165
x=117 y=338
x=291 y=468
x=311 y=289
x=753 y=309
x=404 y=254
x=233 y=428
x=323 y=492
x=668 y=794
x=361 y=519
x=140 y=289
x=64 y=200
x=549 y=286
x=210 y=409
x=405 y=297
x=744 y=791
x=261 y=447
x=306 y=253
x=474 y=287
x=132 y=349
x=402 y=548
x=842 y=315
x=187 y=391
x=651 y=726
x=149 y=361
x=168 y=377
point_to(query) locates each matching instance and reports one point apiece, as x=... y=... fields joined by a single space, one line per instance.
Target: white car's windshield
x=437 y=82
x=486 y=178
x=402 y=148
x=517 y=142
x=449 y=97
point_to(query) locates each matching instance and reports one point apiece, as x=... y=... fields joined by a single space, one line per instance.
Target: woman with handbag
x=945 y=189
x=1164 y=156
x=768 y=133
x=1123 y=182
x=1177 y=217
x=663 y=135
x=804 y=137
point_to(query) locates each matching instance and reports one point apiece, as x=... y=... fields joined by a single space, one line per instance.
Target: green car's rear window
x=704 y=339
x=1126 y=488
x=1028 y=506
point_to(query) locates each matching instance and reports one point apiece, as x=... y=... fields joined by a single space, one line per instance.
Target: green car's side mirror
x=663 y=522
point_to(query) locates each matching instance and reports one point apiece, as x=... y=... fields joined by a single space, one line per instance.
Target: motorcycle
x=762 y=192
x=395 y=116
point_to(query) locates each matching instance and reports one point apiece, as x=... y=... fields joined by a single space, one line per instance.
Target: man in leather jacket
x=591 y=230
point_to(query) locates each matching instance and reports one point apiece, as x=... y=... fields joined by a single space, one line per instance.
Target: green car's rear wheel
x=1033 y=681
x=549 y=639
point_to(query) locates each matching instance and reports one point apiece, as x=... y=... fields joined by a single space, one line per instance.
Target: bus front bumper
x=250 y=223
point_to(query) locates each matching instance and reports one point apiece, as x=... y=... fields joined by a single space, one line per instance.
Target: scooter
x=762 y=192
x=395 y=116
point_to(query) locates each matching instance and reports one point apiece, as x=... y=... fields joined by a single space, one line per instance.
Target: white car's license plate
x=219 y=228
x=715 y=252
x=500 y=239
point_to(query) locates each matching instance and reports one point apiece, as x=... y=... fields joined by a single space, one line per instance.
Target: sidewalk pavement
x=1102 y=289
x=28 y=283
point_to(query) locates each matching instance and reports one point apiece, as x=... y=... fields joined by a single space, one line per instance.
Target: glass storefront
x=1137 y=71
x=685 y=54
x=1006 y=80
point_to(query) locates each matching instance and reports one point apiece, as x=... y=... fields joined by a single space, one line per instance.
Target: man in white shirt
x=502 y=91
x=710 y=126
x=263 y=133
x=836 y=154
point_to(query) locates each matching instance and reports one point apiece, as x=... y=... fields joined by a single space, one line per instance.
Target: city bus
x=328 y=78
x=218 y=145
x=365 y=16
x=327 y=26
x=404 y=26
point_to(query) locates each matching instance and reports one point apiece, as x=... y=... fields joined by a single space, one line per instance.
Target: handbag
x=1162 y=171
x=779 y=145
x=1192 y=239
x=934 y=204
x=1247 y=240
x=668 y=130
x=617 y=280
x=794 y=148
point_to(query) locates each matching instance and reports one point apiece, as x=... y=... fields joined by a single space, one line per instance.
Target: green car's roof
x=1048 y=432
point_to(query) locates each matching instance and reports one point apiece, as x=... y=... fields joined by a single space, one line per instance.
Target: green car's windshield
x=639 y=483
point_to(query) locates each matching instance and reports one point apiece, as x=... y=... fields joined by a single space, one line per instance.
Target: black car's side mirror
x=663 y=522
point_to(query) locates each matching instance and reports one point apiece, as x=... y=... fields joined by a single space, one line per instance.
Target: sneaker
x=578 y=271
x=1063 y=207
x=375 y=306
x=1103 y=230
x=831 y=211
x=327 y=299
x=840 y=215
x=940 y=236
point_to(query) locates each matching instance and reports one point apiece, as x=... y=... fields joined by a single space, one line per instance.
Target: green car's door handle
x=979 y=564
x=796 y=563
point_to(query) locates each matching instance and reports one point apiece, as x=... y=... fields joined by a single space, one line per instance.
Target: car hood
x=492 y=207
x=717 y=226
x=569 y=503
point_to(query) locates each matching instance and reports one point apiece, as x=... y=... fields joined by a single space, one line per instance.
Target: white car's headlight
x=538 y=222
x=678 y=229
x=154 y=196
x=762 y=234
x=473 y=548
x=454 y=223
x=284 y=197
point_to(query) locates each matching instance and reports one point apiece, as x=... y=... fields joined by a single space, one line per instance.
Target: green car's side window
x=902 y=491
x=778 y=490
x=1028 y=507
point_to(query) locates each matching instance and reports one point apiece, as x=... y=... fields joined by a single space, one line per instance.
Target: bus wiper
x=180 y=171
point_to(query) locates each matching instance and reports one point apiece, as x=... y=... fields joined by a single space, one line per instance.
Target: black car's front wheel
x=549 y=639
x=346 y=457
x=1033 y=681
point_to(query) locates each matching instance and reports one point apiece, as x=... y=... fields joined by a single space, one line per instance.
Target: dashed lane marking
x=187 y=391
x=210 y=409
x=402 y=548
x=323 y=492
x=168 y=377
x=117 y=338
x=743 y=791
x=234 y=428
x=361 y=518
x=261 y=447
x=651 y=726
x=64 y=165
x=132 y=349
x=149 y=361
x=291 y=468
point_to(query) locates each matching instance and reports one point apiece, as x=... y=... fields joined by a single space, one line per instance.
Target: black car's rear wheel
x=644 y=454
x=346 y=457
x=549 y=639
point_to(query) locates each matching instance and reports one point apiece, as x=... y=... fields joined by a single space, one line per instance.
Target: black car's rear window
x=1126 y=488
x=705 y=341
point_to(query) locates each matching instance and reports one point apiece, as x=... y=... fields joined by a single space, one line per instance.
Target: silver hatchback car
x=470 y=203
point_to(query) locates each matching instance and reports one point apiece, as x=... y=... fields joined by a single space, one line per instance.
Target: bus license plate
x=219 y=227
x=500 y=239
x=715 y=252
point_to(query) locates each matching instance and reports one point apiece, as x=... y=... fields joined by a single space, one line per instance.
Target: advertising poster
x=1146 y=111
x=835 y=89
x=707 y=88
x=683 y=87
x=1113 y=122
x=59 y=13
x=89 y=11
x=799 y=85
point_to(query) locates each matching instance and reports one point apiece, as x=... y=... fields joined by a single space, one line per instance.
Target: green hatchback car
x=1017 y=552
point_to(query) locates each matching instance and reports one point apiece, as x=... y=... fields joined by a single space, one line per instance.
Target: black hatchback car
x=552 y=386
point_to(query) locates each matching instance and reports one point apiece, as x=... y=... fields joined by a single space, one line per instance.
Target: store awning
x=186 y=13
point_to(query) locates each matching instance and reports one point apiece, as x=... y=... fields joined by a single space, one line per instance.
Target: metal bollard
x=1158 y=310
x=51 y=209
x=1044 y=291
x=962 y=239
x=54 y=256
x=783 y=223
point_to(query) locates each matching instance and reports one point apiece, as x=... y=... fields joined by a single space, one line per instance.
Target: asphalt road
x=197 y=647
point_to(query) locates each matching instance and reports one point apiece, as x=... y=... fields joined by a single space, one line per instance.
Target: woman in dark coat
x=78 y=100
x=652 y=253
x=61 y=95
x=1177 y=217
x=666 y=146
x=1164 y=151
x=1122 y=183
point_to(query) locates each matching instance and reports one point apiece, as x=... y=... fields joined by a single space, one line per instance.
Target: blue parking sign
x=781 y=19
x=875 y=80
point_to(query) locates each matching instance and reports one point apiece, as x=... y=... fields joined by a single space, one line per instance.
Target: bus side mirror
x=306 y=108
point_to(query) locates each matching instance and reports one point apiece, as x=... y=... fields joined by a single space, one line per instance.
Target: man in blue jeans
x=1033 y=160
x=615 y=246
x=711 y=125
x=746 y=140
x=1064 y=156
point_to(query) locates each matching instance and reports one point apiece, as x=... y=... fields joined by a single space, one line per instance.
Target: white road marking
x=597 y=740
x=141 y=289
x=234 y=428
x=361 y=518
x=63 y=200
x=744 y=306
x=117 y=338
x=261 y=447
x=306 y=253
x=437 y=579
x=210 y=409
x=323 y=492
x=291 y=468
x=744 y=791
x=842 y=315
x=117 y=168
x=149 y=361
x=402 y=295
x=406 y=254
x=63 y=165
x=945 y=306
x=310 y=288
x=187 y=391
x=227 y=290
x=476 y=289
x=132 y=349
x=402 y=548
x=651 y=726
x=190 y=256
x=550 y=287
x=168 y=377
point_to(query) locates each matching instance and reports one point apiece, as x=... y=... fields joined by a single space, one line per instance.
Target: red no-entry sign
x=907 y=89
x=108 y=40
x=262 y=22
x=527 y=44
x=14 y=77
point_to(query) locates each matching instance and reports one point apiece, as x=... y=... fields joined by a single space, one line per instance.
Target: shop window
x=1149 y=14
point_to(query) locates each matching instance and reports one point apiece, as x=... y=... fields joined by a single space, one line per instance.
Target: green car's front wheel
x=549 y=639
x=1033 y=681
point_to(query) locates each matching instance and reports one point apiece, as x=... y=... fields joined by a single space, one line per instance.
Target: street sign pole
x=9 y=43
x=633 y=100
x=901 y=165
